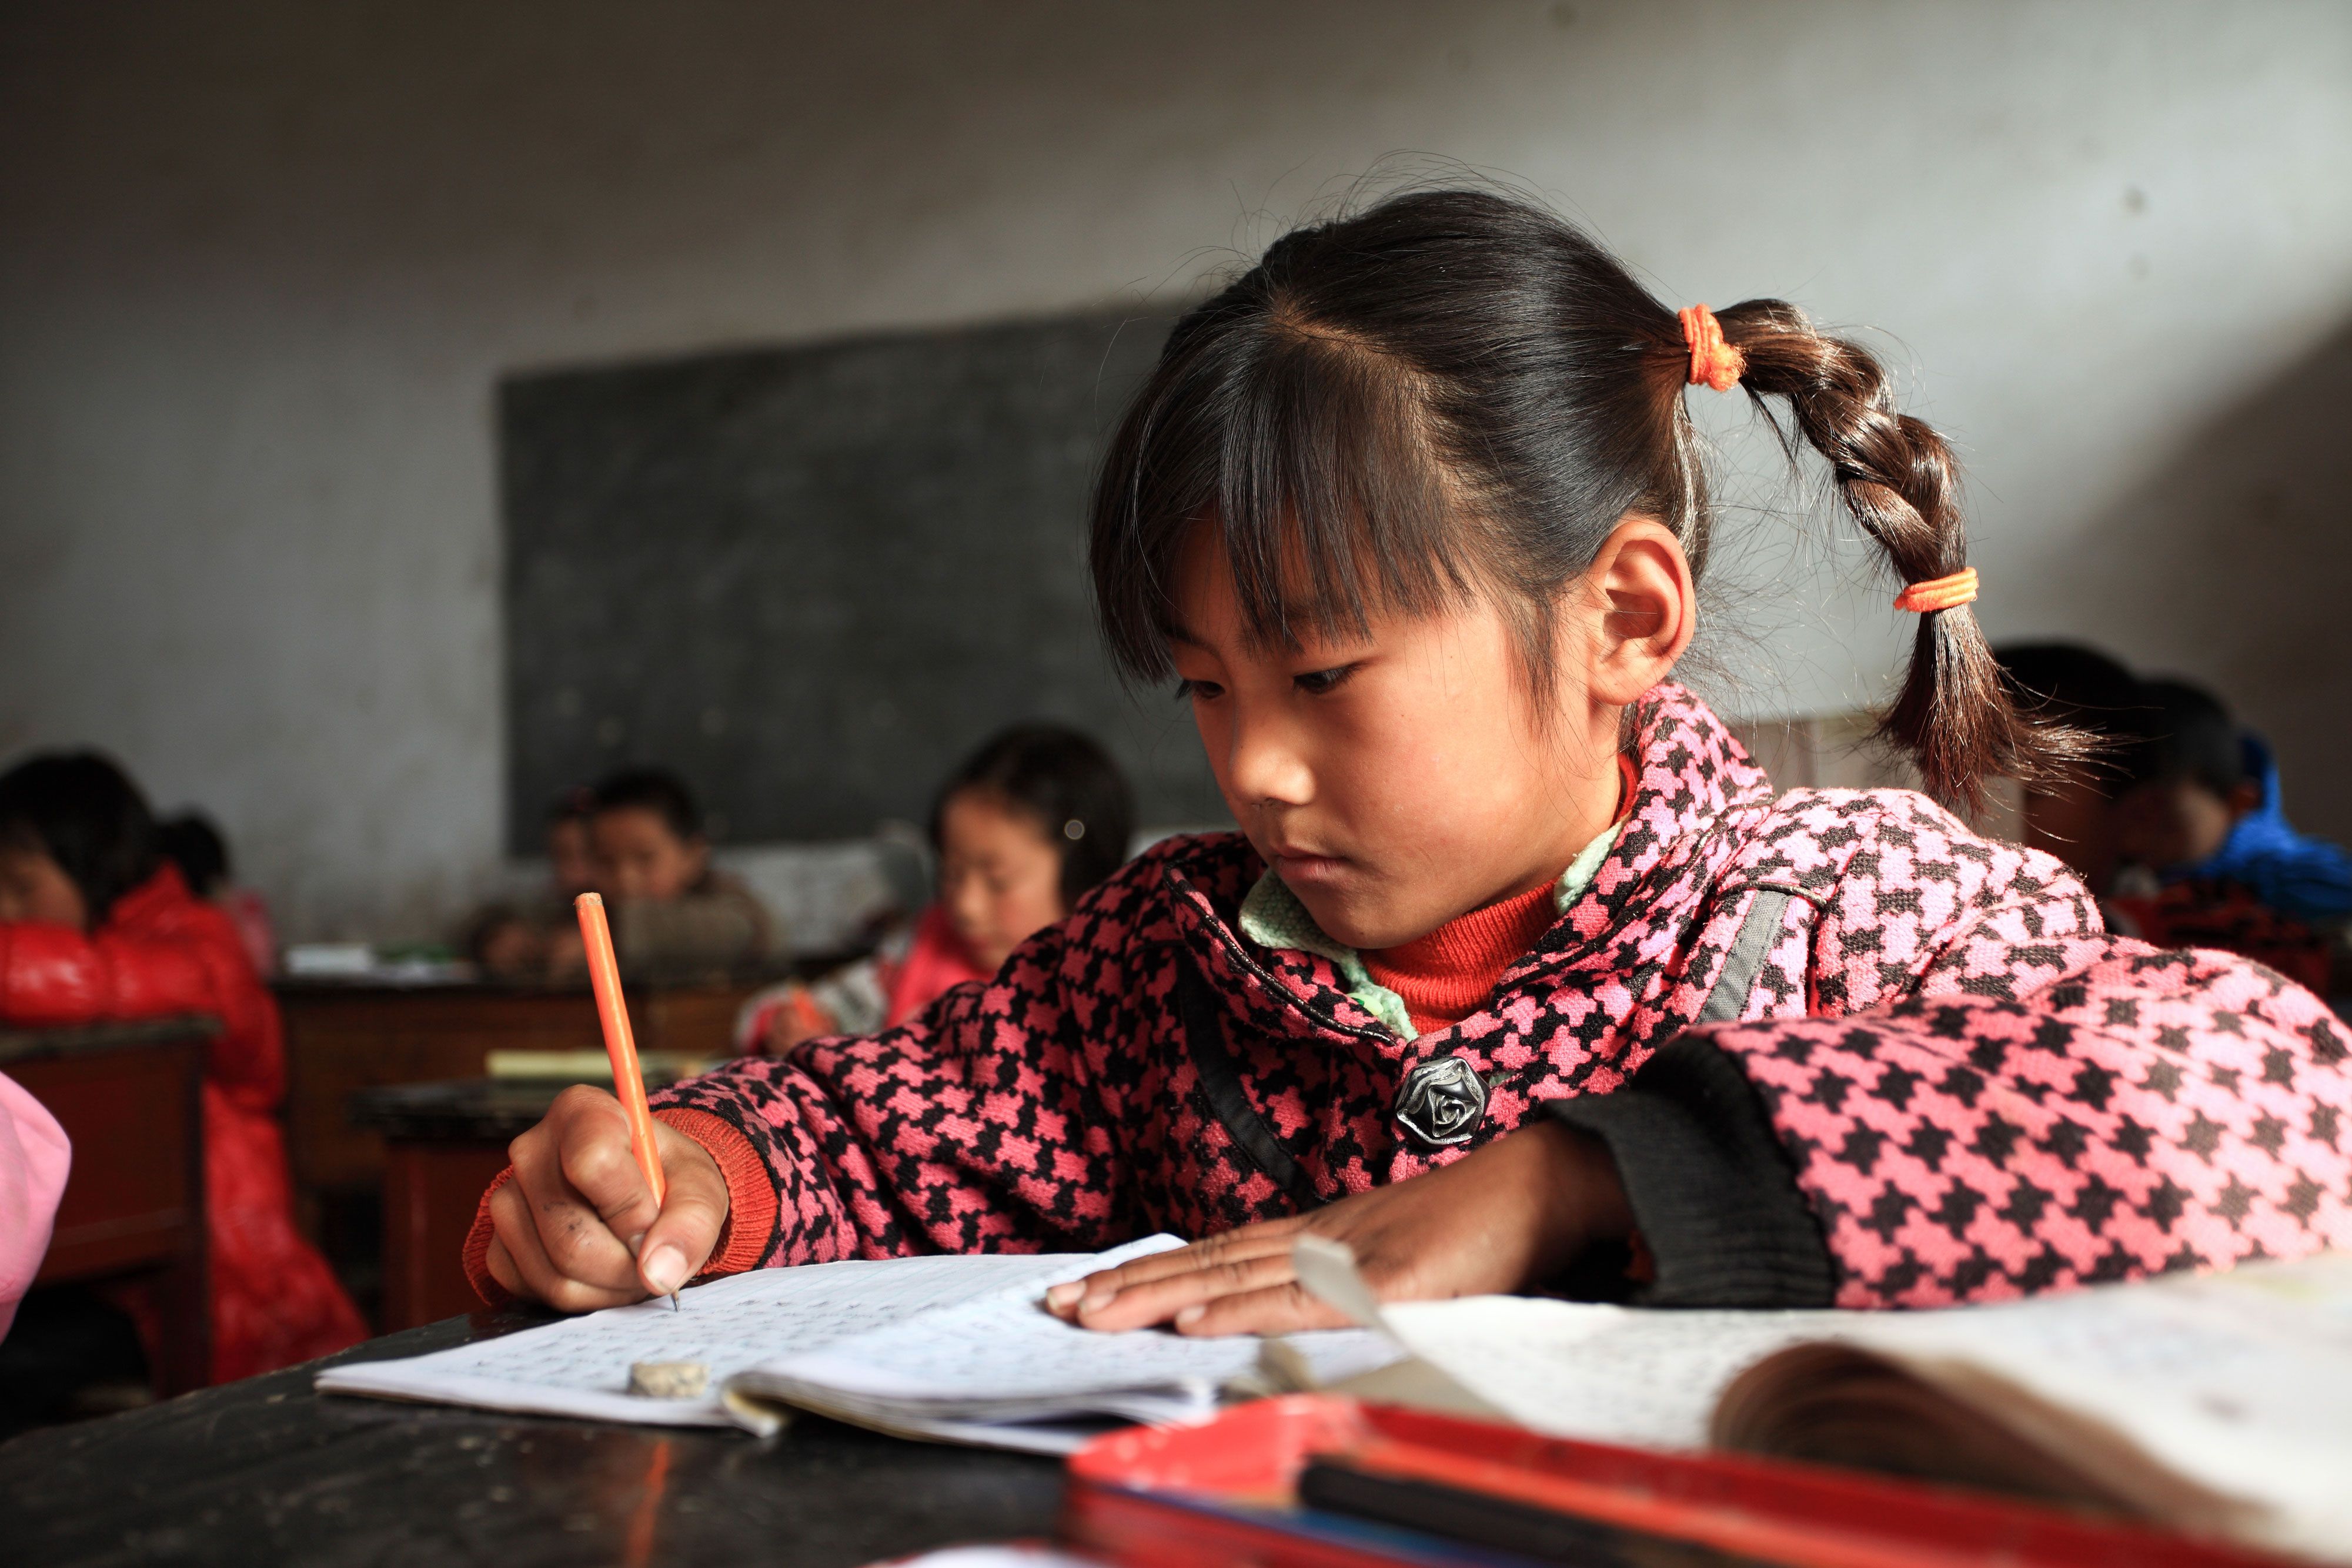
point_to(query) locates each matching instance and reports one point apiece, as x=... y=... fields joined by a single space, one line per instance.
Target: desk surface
x=266 y=1471
x=84 y=1040
x=465 y=1110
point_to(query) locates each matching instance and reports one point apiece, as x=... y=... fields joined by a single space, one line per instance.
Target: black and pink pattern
x=1980 y=1092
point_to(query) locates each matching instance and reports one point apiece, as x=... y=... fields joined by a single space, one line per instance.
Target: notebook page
x=1007 y=1358
x=580 y=1366
x=1603 y=1374
x=2241 y=1380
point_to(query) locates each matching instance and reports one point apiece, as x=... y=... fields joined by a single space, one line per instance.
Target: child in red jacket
x=1030 y=821
x=95 y=925
x=1517 y=975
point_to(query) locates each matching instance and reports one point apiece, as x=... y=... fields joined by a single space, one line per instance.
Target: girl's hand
x=577 y=1227
x=1515 y=1213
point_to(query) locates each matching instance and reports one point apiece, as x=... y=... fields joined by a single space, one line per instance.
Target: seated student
x=2070 y=812
x=96 y=926
x=2159 y=798
x=511 y=941
x=671 y=910
x=2210 y=860
x=1516 y=974
x=34 y=1158
x=190 y=841
x=1033 y=818
x=2228 y=820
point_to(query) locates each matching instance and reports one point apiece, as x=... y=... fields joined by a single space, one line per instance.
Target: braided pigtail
x=1898 y=478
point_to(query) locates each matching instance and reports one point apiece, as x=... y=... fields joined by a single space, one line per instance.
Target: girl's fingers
x=501 y=1266
x=1172 y=1297
x=1095 y=1291
x=1285 y=1308
x=581 y=1195
x=516 y=1231
x=566 y=1233
x=680 y=1241
x=599 y=1162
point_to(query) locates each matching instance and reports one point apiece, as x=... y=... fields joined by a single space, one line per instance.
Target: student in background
x=1032 y=820
x=512 y=941
x=2161 y=816
x=2070 y=812
x=192 y=843
x=671 y=909
x=34 y=1158
x=2232 y=821
x=95 y=924
x=2209 y=860
x=1517 y=975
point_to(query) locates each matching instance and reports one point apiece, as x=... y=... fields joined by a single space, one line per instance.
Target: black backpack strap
x=1745 y=960
x=1220 y=1085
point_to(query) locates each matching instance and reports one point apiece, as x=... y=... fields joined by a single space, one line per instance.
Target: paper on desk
x=580 y=1366
x=952 y=1347
x=1009 y=1361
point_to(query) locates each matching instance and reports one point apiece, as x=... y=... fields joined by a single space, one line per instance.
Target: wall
x=260 y=264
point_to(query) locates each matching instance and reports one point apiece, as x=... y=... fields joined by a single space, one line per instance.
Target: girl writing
x=1516 y=975
x=1034 y=817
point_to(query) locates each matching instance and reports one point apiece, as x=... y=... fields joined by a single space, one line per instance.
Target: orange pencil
x=628 y=1079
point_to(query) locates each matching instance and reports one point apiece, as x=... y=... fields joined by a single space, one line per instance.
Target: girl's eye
x=1198 y=691
x=1315 y=683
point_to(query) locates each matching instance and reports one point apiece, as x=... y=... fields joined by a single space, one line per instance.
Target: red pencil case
x=1421 y=1489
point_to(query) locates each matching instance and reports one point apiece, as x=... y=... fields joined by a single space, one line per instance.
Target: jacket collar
x=158 y=895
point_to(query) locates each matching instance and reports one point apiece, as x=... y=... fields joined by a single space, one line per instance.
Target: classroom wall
x=260 y=264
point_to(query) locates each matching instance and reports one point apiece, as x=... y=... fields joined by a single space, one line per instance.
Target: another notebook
x=2219 y=1405
x=957 y=1349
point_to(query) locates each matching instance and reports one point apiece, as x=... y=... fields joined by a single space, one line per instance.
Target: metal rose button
x=1442 y=1101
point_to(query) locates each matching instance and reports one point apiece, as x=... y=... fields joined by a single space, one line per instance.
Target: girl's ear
x=1649 y=608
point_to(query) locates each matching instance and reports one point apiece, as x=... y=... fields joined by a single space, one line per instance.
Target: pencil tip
x=673 y=1300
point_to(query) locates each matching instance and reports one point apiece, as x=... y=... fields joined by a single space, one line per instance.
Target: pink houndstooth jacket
x=1844 y=1050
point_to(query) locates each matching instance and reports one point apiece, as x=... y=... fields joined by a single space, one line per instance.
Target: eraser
x=669 y=1379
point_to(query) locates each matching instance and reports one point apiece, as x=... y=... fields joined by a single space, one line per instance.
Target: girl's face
x=1000 y=876
x=1398 y=780
x=34 y=887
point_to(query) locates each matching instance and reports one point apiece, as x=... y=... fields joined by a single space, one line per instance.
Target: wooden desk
x=130 y=1097
x=444 y=1143
x=344 y=1037
x=266 y=1471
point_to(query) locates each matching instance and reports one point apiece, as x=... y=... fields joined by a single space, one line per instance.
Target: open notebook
x=2220 y=1404
x=954 y=1348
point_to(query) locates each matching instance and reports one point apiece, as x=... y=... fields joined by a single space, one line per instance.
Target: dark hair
x=85 y=813
x=2192 y=737
x=655 y=789
x=1455 y=393
x=2074 y=684
x=190 y=841
x=576 y=804
x=1067 y=784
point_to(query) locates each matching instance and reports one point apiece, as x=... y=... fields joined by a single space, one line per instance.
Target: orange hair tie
x=1713 y=361
x=1940 y=594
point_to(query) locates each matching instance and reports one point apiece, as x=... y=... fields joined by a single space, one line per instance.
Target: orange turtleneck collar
x=1444 y=976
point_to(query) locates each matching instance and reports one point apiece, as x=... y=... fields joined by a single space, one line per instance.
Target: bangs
x=1312 y=457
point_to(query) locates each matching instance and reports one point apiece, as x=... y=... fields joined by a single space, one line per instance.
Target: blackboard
x=811 y=578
